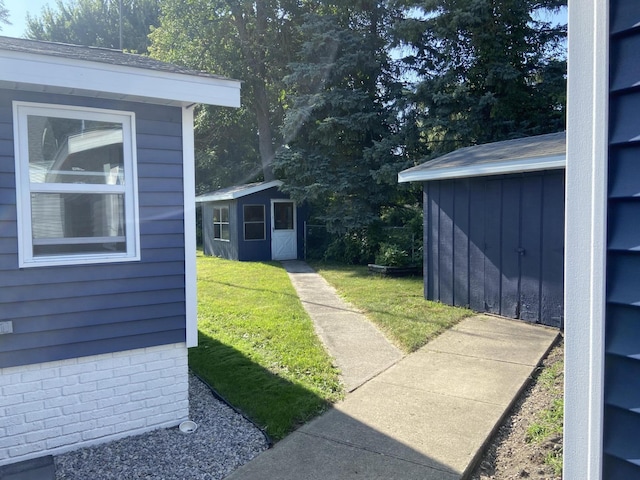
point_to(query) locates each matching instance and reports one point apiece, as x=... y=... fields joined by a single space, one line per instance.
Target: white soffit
x=53 y=74
x=484 y=169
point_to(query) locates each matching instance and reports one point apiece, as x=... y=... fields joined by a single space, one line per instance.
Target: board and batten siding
x=495 y=244
x=72 y=311
x=621 y=447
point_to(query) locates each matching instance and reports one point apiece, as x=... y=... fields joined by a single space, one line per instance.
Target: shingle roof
x=541 y=152
x=237 y=191
x=94 y=54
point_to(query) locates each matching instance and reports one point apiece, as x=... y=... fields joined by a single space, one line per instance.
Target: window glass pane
x=216 y=230
x=76 y=215
x=254 y=231
x=63 y=150
x=216 y=214
x=224 y=214
x=254 y=213
x=283 y=213
x=224 y=231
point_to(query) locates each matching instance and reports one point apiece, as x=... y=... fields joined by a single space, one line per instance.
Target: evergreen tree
x=96 y=23
x=339 y=154
x=488 y=70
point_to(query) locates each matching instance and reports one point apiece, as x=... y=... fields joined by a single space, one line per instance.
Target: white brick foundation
x=54 y=407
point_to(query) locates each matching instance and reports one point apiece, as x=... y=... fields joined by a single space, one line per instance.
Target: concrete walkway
x=427 y=417
x=359 y=350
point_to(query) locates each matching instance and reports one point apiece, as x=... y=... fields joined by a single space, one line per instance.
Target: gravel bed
x=223 y=442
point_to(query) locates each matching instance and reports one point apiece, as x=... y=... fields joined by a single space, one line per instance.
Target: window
x=76 y=185
x=254 y=226
x=221 y=223
x=283 y=215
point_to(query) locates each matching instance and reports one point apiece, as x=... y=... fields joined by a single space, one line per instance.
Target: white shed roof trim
x=529 y=154
x=231 y=193
x=498 y=168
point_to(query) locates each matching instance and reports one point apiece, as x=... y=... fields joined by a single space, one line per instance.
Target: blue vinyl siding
x=496 y=244
x=71 y=311
x=622 y=335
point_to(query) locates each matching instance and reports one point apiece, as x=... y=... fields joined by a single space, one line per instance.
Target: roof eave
x=417 y=174
x=213 y=197
x=72 y=76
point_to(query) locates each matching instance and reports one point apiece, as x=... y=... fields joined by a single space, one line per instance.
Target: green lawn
x=396 y=305
x=258 y=348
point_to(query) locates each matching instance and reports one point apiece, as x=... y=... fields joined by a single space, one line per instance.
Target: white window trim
x=23 y=189
x=264 y=223
x=228 y=223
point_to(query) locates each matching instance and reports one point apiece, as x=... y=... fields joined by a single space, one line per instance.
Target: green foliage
x=549 y=423
x=341 y=117
x=392 y=255
x=96 y=23
x=258 y=347
x=488 y=70
x=251 y=41
x=351 y=248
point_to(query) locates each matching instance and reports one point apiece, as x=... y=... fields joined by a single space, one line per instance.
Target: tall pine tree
x=341 y=115
x=488 y=70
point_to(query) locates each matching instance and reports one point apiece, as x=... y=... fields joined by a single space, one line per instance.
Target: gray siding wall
x=220 y=248
x=495 y=244
x=622 y=341
x=71 y=311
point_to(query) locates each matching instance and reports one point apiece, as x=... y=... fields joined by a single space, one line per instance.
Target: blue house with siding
x=602 y=320
x=97 y=243
x=252 y=222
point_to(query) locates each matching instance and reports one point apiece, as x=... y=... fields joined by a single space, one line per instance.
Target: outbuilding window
x=254 y=224
x=221 y=223
x=76 y=185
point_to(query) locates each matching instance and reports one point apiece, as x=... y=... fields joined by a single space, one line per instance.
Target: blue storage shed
x=494 y=227
x=98 y=300
x=252 y=222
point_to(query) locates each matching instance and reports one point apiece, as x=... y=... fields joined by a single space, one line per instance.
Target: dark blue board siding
x=496 y=244
x=69 y=311
x=622 y=321
x=530 y=285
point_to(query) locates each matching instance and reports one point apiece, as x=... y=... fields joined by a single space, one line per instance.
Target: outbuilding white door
x=284 y=238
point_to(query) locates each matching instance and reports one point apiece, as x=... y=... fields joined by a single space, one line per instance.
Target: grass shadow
x=272 y=402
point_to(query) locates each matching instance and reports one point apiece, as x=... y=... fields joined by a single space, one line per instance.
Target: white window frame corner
x=26 y=258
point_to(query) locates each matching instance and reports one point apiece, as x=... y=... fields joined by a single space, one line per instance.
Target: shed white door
x=284 y=238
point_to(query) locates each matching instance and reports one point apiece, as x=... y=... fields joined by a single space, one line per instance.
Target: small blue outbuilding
x=252 y=222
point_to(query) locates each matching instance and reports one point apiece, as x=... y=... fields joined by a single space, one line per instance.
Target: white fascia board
x=585 y=237
x=121 y=81
x=484 y=169
x=214 y=197
x=189 y=185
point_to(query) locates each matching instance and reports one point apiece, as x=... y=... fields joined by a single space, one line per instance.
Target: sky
x=18 y=14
